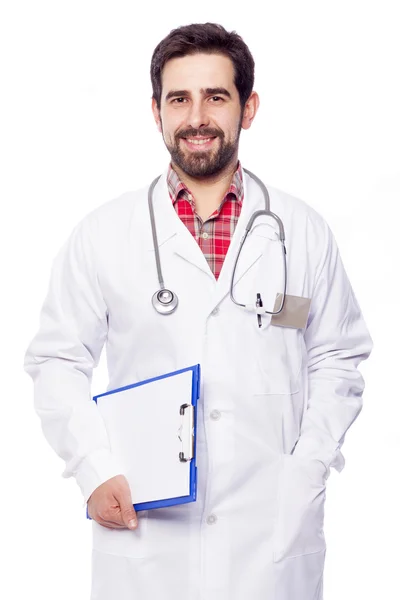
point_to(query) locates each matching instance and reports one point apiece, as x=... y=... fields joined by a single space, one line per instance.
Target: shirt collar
x=177 y=189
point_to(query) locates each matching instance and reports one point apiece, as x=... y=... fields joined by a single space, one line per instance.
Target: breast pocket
x=278 y=390
x=279 y=358
x=122 y=542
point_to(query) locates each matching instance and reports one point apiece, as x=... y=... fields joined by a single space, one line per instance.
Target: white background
x=77 y=130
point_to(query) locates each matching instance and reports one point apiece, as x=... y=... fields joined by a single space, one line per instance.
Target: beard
x=204 y=163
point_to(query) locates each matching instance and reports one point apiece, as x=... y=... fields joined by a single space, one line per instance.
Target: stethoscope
x=165 y=301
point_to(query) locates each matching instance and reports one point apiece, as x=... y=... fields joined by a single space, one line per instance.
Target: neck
x=208 y=192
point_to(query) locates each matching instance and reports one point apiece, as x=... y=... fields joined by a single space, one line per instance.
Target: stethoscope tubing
x=165 y=301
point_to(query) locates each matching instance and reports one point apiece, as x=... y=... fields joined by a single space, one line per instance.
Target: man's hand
x=111 y=504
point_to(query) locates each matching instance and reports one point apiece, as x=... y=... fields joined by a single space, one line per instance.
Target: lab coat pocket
x=279 y=356
x=122 y=542
x=301 y=500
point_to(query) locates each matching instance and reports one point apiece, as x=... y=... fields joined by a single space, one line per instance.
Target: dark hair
x=208 y=38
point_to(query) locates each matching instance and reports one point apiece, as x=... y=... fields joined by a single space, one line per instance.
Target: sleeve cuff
x=94 y=470
x=327 y=451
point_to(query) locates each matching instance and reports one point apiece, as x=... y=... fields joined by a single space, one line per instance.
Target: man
x=278 y=391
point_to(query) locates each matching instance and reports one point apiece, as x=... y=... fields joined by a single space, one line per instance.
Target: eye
x=178 y=100
x=216 y=98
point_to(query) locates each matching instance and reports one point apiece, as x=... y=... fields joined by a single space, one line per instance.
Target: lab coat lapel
x=188 y=249
x=174 y=237
x=172 y=234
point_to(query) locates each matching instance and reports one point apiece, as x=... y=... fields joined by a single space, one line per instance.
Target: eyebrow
x=220 y=91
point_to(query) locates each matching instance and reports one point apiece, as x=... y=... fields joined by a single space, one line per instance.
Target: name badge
x=294 y=313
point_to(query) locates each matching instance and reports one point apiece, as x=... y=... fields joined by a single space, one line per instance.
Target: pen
x=259 y=304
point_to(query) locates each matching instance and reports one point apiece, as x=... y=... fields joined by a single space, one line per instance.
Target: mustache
x=205 y=132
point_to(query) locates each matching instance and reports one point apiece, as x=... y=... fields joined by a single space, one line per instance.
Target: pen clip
x=259 y=304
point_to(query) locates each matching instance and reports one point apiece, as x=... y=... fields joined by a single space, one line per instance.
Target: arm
x=61 y=357
x=337 y=340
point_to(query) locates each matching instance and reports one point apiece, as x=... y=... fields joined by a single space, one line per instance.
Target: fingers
x=110 y=524
x=109 y=516
x=127 y=512
x=111 y=505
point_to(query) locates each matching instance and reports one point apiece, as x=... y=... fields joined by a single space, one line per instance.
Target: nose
x=197 y=116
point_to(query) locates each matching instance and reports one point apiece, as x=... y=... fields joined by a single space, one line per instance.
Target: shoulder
x=115 y=214
x=294 y=207
x=304 y=226
x=119 y=207
x=283 y=201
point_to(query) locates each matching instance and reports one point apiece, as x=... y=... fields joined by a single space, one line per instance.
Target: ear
x=250 y=110
x=156 y=114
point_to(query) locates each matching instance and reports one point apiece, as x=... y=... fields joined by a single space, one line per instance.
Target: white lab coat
x=274 y=407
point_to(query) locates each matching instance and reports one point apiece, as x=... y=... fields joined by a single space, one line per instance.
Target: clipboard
x=151 y=426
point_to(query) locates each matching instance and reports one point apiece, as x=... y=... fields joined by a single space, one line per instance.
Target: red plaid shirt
x=213 y=235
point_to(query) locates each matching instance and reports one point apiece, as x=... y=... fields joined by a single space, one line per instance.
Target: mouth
x=199 y=143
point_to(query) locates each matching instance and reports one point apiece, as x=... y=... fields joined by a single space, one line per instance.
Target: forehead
x=198 y=71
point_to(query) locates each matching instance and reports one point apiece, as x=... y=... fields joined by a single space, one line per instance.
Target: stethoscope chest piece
x=165 y=301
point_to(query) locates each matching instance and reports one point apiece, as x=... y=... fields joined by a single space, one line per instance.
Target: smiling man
x=279 y=336
x=209 y=146
x=201 y=123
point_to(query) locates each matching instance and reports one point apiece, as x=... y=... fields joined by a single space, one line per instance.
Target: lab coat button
x=215 y=312
x=215 y=415
x=211 y=520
